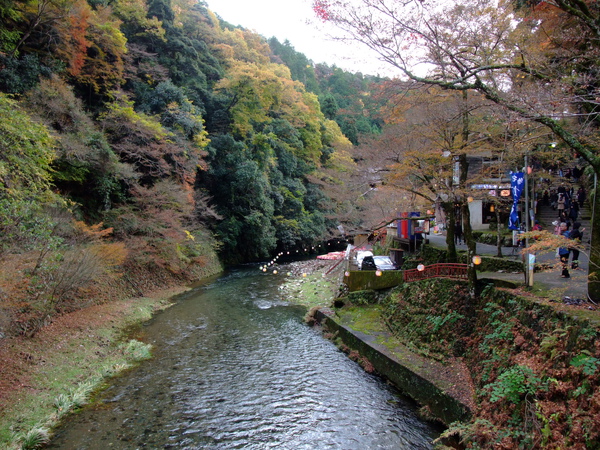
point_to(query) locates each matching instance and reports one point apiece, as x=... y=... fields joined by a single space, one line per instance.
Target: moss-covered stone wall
x=399 y=372
x=358 y=280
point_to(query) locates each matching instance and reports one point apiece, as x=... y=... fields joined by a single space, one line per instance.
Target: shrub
x=34 y=438
x=514 y=385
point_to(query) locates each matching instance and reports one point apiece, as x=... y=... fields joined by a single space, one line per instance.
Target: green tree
x=243 y=193
x=9 y=35
x=85 y=168
x=26 y=153
x=300 y=66
x=329 y=106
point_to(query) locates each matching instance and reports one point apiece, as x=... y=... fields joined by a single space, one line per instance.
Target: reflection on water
x=235 y=367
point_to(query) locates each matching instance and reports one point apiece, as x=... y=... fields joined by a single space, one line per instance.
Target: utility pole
x=529 y=258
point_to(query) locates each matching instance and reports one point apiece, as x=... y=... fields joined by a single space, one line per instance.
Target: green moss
x=363 y=319
x=310 y=291
x=368 y=279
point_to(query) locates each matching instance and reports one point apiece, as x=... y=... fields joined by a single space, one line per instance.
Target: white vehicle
x=360 y=256
x=377 y=263
x=384 y=263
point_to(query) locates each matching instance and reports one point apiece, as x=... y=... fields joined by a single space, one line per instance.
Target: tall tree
x=518 y=58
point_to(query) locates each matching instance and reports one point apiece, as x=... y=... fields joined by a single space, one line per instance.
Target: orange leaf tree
x=534 y=61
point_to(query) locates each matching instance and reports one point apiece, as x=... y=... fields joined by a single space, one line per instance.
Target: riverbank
x=44 y=377
x=444 y=389
x=532 y=367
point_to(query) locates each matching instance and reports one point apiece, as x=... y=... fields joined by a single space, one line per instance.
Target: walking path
x=550 y=279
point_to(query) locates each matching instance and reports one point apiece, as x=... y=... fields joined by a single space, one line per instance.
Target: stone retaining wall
x=443 y=406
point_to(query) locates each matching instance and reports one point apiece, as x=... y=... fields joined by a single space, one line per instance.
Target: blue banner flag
x=517 y=183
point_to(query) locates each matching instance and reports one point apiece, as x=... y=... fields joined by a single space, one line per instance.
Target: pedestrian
x=568 y=173
x=560 y=205
x=581 y=196
x=553 y=199
x=574 y=211
x=576 y=235
x=556 y=224
x=563 y=252
x=458 y=232
x=546 y=198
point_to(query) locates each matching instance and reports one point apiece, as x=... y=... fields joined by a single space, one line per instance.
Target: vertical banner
x=517 y=182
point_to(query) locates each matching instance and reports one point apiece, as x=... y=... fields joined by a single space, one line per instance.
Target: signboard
x=517 y=183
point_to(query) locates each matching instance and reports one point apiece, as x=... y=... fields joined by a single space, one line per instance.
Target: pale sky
x=291 y=20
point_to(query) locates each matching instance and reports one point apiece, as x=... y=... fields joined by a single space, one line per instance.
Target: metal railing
x=442 y=270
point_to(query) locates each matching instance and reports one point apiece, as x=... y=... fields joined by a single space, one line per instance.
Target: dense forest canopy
x=137 y=95
x=144 y=140
x=157 y=134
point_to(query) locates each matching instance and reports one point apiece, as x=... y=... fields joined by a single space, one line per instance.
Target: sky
x=295 y=21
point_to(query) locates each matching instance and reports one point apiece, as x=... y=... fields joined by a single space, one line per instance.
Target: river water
x=235 y=367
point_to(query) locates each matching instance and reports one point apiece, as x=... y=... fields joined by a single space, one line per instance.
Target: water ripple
x=235 y=368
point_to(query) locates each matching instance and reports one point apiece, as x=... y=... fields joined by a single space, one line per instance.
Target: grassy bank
x=56 y=371
x=310 y=284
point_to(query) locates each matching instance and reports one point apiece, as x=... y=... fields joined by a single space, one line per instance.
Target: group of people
x=566 y=202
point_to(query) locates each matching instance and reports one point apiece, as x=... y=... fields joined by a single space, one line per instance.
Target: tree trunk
x=467 y=230
x=471 y=247
x=499 y=237
x=450 y=241
x=594 y=256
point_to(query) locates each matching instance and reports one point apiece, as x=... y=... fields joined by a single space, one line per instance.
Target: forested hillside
x=146 y=136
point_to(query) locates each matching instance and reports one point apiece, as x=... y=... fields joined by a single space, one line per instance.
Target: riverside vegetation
x=535 y=368
x=144 y=143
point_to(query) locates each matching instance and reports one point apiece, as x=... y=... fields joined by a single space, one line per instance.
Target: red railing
x=456 y=271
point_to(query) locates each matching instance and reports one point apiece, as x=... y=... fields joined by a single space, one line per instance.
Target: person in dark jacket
x=574 y=211
x=581 y=197
x=458 y=232
x=576 y=234
x=563 y=252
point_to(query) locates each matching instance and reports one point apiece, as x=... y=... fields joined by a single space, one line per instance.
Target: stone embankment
x=445 y=389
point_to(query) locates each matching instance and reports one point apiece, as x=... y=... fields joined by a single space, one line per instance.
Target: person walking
x=560 y=205
x=574 y=211
x=458 y=232
x=576 y=235
x=553 y=199
x=581 y=196
x=563 y=252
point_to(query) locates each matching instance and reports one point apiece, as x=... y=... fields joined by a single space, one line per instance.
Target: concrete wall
x=445 y=407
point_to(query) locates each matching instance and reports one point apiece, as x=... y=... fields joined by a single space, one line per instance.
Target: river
x=235 y=367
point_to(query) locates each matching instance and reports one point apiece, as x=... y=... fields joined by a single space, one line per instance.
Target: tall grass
x=65 y=403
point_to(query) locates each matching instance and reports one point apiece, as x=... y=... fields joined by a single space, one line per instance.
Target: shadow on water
x=235 y=367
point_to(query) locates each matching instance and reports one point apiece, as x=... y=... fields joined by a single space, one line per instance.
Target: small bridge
x=442 y=270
